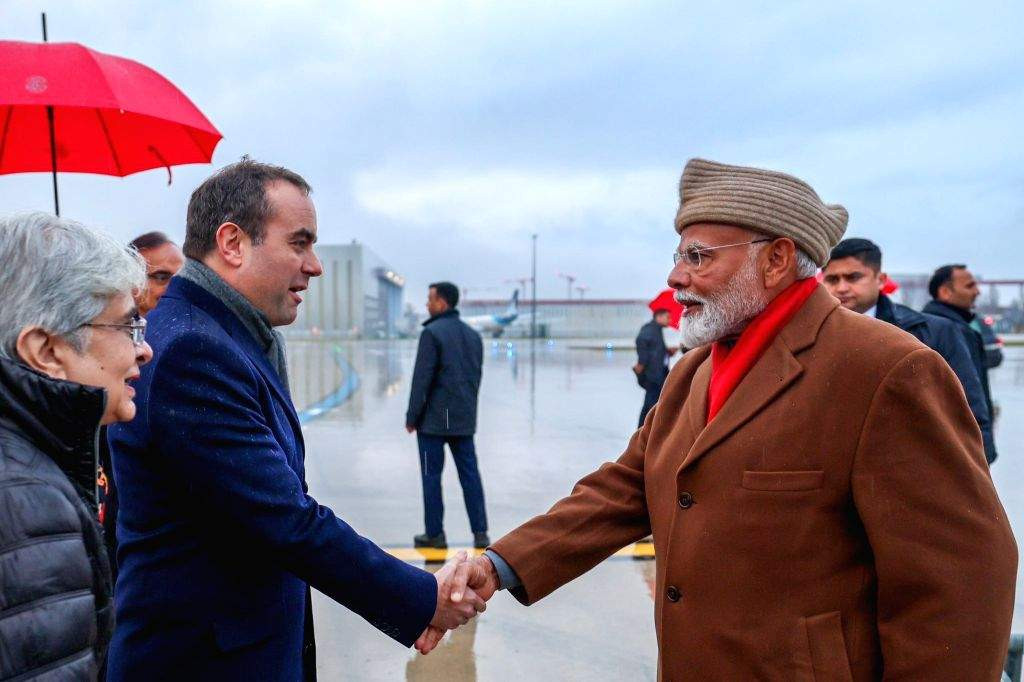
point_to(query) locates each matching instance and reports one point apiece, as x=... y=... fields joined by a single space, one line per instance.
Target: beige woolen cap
x=766 y=201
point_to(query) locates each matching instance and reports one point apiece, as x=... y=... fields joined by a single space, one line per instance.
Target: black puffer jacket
x=446 y=380
x=56 y=614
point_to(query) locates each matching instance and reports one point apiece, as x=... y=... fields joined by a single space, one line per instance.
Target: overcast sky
x=442 y=134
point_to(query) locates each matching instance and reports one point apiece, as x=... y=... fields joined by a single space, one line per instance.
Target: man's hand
x=410 y=428
x=465 y=582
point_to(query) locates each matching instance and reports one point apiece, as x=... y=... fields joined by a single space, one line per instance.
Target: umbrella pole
x=53 y=161
x=53 y=140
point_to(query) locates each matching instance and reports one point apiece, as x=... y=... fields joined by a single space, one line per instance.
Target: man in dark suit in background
x=854 y=275
x=442 y=410
x=652 y=356
x=954 y=290
x=219 y=539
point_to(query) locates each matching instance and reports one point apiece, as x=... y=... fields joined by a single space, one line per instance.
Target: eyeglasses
x=693 y=255
x=136 y=330
x=160 y=276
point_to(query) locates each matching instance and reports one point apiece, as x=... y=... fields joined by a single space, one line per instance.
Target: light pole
x=533 y=301
x=582 y=289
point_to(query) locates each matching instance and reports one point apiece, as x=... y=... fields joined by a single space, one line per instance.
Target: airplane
x=495 y=324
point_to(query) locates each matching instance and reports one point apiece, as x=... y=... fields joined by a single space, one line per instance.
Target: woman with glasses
x=71 y=344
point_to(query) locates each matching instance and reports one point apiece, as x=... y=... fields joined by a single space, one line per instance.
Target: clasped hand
x=463 y=587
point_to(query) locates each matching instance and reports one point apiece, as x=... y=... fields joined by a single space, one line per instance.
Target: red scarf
x=730 y=365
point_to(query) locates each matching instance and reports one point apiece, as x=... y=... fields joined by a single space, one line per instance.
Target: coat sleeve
x=606 y=511
x=945 y=557
x=422 y=378
x=205 y=412
x=951 y=345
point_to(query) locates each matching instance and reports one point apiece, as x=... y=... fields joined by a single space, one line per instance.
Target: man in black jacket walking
x=854 y=276
x=442 y=410
x=953 y=290
x=652 y=356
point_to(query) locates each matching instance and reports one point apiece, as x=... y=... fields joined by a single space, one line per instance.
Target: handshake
x=463 y=587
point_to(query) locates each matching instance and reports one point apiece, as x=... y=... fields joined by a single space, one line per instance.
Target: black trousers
x=431 y=466
x=651 y=395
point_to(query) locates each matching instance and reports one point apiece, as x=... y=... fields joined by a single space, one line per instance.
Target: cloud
x=444 y=133
x=505 y=204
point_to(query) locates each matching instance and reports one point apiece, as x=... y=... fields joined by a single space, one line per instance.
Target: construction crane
x=569 y=279
x=521 y=281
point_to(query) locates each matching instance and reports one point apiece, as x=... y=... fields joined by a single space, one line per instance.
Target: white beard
x=725 y=313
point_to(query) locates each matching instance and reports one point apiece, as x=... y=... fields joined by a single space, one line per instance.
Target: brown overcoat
x=836 y=520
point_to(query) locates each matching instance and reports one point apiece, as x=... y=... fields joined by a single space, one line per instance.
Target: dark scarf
x=256 y=322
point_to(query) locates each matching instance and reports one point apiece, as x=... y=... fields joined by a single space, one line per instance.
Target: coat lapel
x=695 y=409
x=769 y=378
x=203 y=299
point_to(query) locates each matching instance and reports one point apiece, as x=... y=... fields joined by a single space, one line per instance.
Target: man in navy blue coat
x=854 y=275
x=442 y=410
x=219 y=539
x=652 y=356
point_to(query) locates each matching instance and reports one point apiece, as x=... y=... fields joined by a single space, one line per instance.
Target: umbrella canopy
x=666 y=300
x=111 y=116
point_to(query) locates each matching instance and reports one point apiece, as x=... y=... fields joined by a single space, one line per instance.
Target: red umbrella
x=666 y=300
x=64 y=107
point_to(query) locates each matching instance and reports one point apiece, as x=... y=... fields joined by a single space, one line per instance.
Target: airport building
x=913 y=290
x=359 y=296
x=604 y=319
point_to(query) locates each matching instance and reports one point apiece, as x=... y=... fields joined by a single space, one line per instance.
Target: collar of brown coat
x=777 y=369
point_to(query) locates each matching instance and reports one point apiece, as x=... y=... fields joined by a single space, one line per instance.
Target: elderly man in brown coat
x=813 y=478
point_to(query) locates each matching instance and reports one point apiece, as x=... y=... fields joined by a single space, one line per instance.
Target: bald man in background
x=163 y=260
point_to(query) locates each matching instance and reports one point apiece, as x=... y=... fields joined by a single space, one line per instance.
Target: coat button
x=673 y=593
x=685 y=500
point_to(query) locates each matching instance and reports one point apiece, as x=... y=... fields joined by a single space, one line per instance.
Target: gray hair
x=805 y=265
x=58 y=275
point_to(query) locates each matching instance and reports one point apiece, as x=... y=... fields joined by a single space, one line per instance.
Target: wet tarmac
x=549 y=414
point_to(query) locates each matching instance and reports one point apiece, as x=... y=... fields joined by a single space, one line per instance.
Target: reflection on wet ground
x=548 y=415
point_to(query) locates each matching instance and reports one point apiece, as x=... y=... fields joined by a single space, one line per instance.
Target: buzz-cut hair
x=941 y=277
x=150 y=240
x=448 y=292
x=864 y=250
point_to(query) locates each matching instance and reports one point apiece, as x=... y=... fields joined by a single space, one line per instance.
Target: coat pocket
x=234 y=633
x=783 y=480
x=827 y=648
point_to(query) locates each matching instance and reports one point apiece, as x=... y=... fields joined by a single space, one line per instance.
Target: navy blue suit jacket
x=218 y=536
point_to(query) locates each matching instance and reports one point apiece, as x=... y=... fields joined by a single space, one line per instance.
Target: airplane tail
x=513 y=304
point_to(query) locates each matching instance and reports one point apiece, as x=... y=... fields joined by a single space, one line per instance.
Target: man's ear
x=43 y=352
x=882 y=279
x=781 y=255
x=231 y=243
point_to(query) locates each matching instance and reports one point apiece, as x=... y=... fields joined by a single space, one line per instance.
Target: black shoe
x=437 y=541
x=481 y=541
